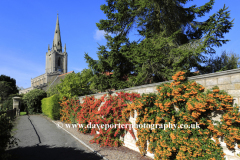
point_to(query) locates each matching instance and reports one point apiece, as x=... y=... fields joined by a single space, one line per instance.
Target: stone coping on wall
x=210 y=75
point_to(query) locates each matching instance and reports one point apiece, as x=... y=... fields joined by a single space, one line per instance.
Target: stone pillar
x=16 y=104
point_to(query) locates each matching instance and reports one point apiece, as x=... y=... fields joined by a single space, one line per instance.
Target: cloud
x=99 y=35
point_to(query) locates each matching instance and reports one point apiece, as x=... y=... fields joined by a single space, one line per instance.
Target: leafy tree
x=75 y=84
x=32 y=99
x=171 y=39
x=224 y=62
x=8 y=87
x=52 y=90
x=20 y=88
x=113 y=60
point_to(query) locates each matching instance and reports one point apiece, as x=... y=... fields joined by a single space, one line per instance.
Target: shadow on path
x=45 y=152
x=35 y=130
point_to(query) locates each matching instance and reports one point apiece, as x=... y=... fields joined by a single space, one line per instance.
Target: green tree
x=224 y=62
x=52 y=90
x=32 y=100
x=75 y=84
x=110 y=61
x=171 y=38
x=7 y=87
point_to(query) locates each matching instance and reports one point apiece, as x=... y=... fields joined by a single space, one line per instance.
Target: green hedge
x=51 y=107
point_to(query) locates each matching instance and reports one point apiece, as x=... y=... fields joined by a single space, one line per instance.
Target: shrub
x=6 y=140
x=185 y=102
x=89 y=113
x=75 y=84
x=69 y=110
x=33 y=99
x=8 y=103
x=51 y=107
x=111 y=113
x=52 y=90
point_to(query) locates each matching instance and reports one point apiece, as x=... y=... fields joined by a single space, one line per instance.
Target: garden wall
x=226 y=80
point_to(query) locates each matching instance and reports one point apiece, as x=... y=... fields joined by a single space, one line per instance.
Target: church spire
x=57 y=44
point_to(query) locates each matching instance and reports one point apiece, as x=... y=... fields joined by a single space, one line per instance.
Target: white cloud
x=99 y=35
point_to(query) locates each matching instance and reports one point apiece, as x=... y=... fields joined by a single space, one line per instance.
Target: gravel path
x=41 y=139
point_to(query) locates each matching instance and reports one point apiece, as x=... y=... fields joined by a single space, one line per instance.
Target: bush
x=111 y=113
x=89 y=113
x=33 y=99
x=8 y=103
x=185 y=102
x=51 y=107
x=6 y=140
x=69 y=110
x=52 y=90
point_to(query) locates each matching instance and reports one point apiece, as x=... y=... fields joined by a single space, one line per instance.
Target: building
x=56 y=64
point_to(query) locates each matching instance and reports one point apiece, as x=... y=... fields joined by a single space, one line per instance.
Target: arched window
x=59 y=61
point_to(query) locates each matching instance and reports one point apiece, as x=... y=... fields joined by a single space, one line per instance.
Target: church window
x=59 y=61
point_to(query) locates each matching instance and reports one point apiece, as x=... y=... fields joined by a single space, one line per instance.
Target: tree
x=171 y=38
x=110 y=61
x=75 y=84
x=32 y=100
x=8 y=87
x=224 y=62
x=52 y=90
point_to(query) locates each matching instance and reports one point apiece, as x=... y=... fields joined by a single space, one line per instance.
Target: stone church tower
x=56 y=65
x=56 y=60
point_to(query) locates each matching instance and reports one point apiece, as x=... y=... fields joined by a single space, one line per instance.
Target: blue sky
x=27 y=27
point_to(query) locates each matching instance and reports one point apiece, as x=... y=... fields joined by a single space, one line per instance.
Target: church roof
x=66 y=73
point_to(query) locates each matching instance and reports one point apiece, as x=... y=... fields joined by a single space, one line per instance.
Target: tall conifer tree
x=171 y=39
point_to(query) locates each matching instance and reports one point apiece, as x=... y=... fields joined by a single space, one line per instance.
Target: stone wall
x=226 y=80
x=26 y=90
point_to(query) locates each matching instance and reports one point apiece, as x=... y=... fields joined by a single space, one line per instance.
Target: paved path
x=41 y=139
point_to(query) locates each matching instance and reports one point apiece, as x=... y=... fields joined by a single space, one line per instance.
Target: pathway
x=43 y=140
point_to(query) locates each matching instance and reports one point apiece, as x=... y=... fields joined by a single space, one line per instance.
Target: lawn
x=23 y=113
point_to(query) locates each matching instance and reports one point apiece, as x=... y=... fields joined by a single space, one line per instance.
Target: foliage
x=75 y=84
x=5 y=135
x=8 y=87
x=69 y=110
x=8 y=103
x=224 y=62
x=52 y=90
x=110 y=113
x=51 y=107
x=184 y=102
x=170 y=40
x=89 y=113
x=113 y=60
x=32 y=99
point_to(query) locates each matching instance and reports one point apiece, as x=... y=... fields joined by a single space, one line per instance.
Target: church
x=56 y=65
